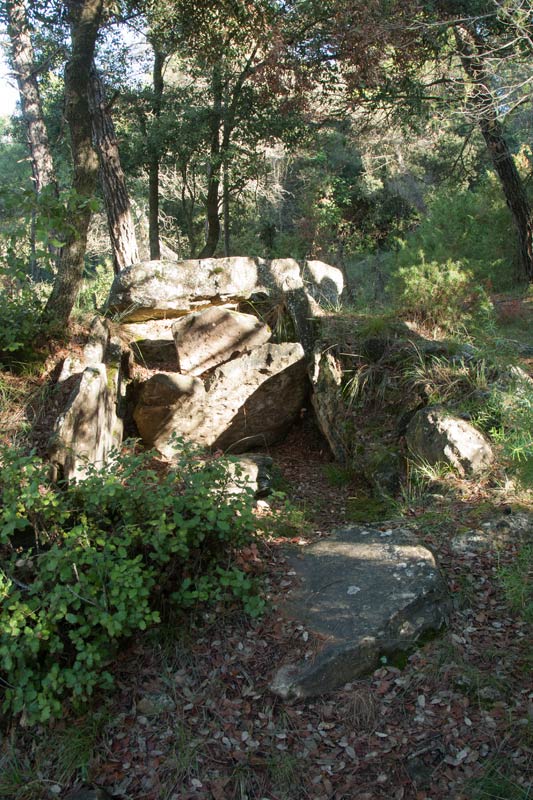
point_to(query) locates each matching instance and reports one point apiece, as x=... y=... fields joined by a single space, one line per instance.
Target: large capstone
x=369 y=593
x=208 y=338
x=157 y=289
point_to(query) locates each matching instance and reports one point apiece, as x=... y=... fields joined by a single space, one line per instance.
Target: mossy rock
x=383 y=470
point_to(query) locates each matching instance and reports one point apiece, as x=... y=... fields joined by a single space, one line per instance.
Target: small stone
x=154 y=705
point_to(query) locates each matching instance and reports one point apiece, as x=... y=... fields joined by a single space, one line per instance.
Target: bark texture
x=113 y=181
x=85 y=17
x=154 y=156
x=213 y=186
x=471 y=51
x=23 y=62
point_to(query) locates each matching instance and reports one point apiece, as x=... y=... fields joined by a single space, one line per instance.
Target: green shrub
x=470 y=226
x=443 y=294
x=506 y=415
x=20 y=323
x=84 y=567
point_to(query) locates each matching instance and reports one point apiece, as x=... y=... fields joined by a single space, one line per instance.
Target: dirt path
x=195 y=718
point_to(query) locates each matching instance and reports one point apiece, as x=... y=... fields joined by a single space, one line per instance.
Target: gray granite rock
x=252 y=471
x=332 y=415
x=324 y=283
x=208 y=338
x=369 y=593
x=151 y=343
x=435 y=436
x=157 y=289
x=90 y=426
x=253 y=400
x=170 y=405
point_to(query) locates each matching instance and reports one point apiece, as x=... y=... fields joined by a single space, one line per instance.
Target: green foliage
x=288 y=519
x=450 y=379
x=84 y=567
x=497 y=783
x=33 y=230
x=20 y=312
x=506 y=414
x=95 y=288
x=364 y=508
x=442 y=294
x=35 y=227
x=338 y=475
x=471 y=227
x=517 y=580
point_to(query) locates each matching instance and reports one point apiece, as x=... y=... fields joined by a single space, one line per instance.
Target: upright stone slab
x=253 y=400
x=208 y=338
x=369 y=593
x=89 y=428
x=324 y=283
x=331 y=410
x=170 y=404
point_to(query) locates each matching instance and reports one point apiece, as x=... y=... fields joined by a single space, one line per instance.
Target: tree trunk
x=84 y=17
x=226 y=212
x=213 y=187
x=23 y=61
x=514 y=191
x=472 y=53
x=154 y=148
x=119 y=218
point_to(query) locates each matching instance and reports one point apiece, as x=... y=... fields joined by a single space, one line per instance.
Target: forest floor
x=193 y=715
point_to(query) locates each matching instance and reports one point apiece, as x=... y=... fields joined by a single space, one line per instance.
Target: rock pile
x=217 y=377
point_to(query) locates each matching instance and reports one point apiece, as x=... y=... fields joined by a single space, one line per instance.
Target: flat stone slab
x=369 y=593
x=209 y=338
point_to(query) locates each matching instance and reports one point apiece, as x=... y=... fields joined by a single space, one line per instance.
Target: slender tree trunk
x=213 y=186
x=482 y=101
x=153 y=209
x=117 y=203
x=85 y=17
x=23 y=61
x=154 y=148
x=514 y=191
x=226 y=212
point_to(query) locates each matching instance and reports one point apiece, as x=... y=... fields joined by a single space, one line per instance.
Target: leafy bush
x=85 y=566
x=470 y=226
x=20 y=319
x=443 y=294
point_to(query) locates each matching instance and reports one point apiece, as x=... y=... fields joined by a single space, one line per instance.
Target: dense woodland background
x=381 y=137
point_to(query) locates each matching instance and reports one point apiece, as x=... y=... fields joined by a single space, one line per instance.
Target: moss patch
x=367 y=509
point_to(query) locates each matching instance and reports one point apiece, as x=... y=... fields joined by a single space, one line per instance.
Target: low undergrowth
x=85 y=566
